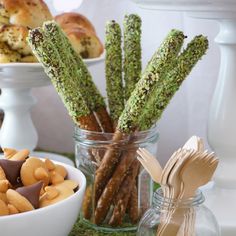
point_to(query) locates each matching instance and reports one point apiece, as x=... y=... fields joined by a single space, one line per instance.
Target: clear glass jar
x=168 y=217
x=123 y=210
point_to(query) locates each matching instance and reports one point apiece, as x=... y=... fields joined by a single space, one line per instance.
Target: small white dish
x=54 y=220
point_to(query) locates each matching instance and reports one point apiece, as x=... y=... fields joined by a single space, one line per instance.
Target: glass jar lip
x=138 y=137
x=78 y=129
x=160 y=200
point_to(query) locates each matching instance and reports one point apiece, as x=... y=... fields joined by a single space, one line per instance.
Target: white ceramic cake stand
x=222 y=117
x=16 y=100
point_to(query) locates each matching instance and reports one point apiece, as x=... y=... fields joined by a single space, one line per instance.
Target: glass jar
x=129 y=186
x=168 y=217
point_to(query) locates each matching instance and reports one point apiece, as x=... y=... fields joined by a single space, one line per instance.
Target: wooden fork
x=197 y=172
x=150 y=164
x=195 y=143
x=174 y=184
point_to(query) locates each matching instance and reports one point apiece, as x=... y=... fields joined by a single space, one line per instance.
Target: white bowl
x=55 y=220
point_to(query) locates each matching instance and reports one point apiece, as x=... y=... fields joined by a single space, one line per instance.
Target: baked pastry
x=84 y=42
x=16 y=18
x=73 y=20
x=7 y=55
x=81 y=34
x=28 y=13
x=15 y=37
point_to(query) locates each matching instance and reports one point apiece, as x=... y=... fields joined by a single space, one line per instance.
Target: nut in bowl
x=55 y=219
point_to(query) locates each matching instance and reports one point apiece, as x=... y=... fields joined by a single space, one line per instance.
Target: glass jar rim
x=100 y=138
x=160 y=200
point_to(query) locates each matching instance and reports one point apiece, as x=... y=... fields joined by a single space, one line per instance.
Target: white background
x=187 y=113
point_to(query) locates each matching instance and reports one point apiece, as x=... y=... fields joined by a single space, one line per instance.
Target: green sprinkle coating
x=132 y=52
x=171 y=82
x=114 y=84
x=165 y=55
x=171 y=47
x=76 y=67
x=58 y=73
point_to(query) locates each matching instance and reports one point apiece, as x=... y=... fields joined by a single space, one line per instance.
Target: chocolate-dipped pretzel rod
x=79 y=72
x=132 y=69
x=132 y=72
x=132 y=52
x=128 y=122
x=113 y=69
x=59 y=75
x=162 y=59
x=167 y=87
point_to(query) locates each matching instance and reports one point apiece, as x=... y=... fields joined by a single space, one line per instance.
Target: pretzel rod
x=165 y=55
x=58 y=73
x=123 y=196
x=79 y=73
x=113 y=68
x=168 y=86
x=132 y=52
x=107 y=166
x=132 y=207
x=113 y=186
x=129 y=118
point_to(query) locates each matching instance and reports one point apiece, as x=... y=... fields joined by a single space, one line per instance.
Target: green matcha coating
x=171 y=82
x=114 y=84
x=132 y=52
x=161 y=60
x=76 y=67
x=57 y=71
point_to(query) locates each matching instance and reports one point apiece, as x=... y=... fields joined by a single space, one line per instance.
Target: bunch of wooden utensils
x=189 y=168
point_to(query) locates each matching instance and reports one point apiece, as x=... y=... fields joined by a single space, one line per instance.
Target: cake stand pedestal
x=16 y=100
x=222 y=117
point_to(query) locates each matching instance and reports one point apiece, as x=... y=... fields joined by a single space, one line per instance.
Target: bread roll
x=16 y=17
x=4 y=16
x=28 y=13
x=84 y=42
x=15 y=38
x=81 y=34
x=7 y=55
x=73 y=20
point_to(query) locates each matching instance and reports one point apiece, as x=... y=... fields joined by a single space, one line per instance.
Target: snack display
x=108 y=158
x=17 y=17
x=31 y=183
x=81 y=33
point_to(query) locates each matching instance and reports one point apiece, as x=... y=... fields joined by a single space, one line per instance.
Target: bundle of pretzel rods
x=136 y=100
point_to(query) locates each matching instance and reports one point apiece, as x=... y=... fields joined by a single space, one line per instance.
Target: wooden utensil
x=195 y=143
x=150 y=164
x=197 y=171
x=174 y=184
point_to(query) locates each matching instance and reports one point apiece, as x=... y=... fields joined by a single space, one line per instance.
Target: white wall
x=187 y=113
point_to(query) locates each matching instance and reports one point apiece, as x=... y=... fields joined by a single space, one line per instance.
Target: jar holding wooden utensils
x=177 y=208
